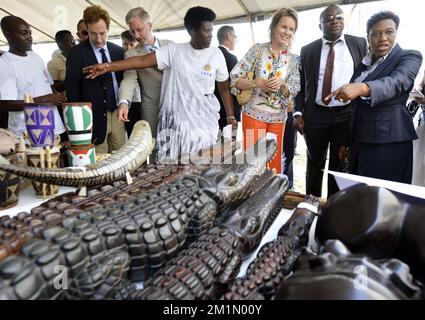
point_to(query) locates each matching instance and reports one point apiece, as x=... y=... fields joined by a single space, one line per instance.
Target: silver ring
x=340 y=100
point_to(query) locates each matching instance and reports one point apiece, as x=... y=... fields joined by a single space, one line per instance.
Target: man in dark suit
x=227 y=41
x=108 y=133
x=382 y=129
x=326 y=64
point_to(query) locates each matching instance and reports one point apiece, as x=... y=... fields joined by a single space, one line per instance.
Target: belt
x=332 y=109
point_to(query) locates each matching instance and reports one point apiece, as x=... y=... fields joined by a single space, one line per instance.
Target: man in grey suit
x=326 y=64
x=149 y=80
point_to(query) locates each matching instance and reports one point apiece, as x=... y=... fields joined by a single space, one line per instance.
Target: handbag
x=244 y=95
x=412 y=107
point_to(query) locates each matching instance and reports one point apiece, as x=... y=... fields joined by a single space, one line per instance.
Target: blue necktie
x=111 y=101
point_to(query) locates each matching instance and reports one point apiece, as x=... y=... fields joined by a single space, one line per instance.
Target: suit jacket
x=384 y=119
x=231 y=61
x=80 y=89
x=149 y=79
x=305 y=101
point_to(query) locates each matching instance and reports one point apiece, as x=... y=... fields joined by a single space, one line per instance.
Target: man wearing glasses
x=227 y=41
x=326 y=64
x=82 y=32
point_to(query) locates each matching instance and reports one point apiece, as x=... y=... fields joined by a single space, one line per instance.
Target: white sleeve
x=45 y=71
x=221 y=74
x=8 y=89
x=164 y=56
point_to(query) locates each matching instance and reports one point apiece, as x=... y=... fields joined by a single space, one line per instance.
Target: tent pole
x=252 y=28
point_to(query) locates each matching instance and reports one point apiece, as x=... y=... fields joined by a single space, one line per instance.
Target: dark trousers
x=222 y=122
x=4 y=118
x=289 y=143
x=330 y=128
x=134 y=115
x=388 y=161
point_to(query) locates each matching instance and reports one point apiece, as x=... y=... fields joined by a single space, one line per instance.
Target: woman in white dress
x=189 y=111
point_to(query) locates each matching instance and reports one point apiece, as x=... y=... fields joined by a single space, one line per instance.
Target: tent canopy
x=48 y=17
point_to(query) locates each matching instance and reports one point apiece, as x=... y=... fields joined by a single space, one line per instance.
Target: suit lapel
x=91 y=59
x=352 y=47
x=112 y=52
x=358 y=71
x=392 y=57
x=316 y=53
x=90 y=56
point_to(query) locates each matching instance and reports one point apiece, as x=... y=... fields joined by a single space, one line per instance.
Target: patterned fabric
x=273 y=107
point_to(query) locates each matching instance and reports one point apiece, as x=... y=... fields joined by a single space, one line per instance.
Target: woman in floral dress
x=276 y=83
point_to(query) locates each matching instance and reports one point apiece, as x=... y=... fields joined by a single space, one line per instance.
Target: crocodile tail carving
x=127 y=159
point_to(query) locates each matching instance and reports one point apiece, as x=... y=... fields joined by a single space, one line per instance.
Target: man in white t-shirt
x=24 y=72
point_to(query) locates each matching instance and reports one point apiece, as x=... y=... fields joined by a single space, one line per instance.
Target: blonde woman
x=276 y=83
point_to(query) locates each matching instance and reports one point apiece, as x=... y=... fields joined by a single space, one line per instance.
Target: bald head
x=18 y=34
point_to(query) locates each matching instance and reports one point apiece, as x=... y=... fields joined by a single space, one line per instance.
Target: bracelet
x=231 y=118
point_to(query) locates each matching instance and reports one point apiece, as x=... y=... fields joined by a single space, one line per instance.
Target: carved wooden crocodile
x=92 y=262
x=156 y=225
x=212 y=262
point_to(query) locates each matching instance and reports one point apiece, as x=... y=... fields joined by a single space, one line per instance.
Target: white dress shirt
x=98 y=55
x=342 y=72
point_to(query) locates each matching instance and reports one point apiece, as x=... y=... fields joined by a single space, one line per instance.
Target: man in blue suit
x=382 y=130
x=108 y=133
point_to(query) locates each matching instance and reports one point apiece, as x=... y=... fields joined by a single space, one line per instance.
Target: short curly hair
x=93 y=14
x=196 y=15
x=383 y=15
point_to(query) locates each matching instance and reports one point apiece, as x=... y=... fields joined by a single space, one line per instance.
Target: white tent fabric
x=48 y=17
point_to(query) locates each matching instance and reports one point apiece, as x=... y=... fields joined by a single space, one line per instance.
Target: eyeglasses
x=378 y=34
x=338 y=17
x=84 y=32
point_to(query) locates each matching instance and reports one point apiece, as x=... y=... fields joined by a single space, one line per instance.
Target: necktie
x=327 y=79
x=108 y=83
